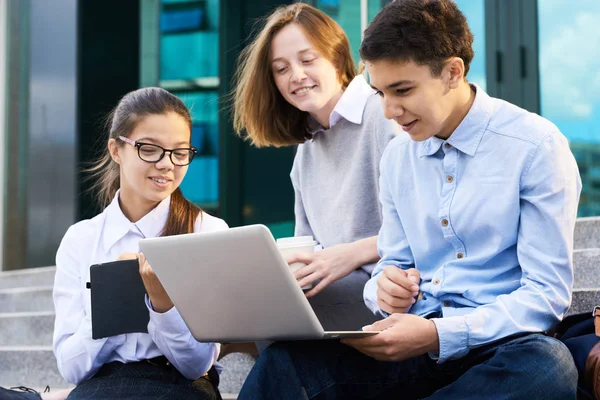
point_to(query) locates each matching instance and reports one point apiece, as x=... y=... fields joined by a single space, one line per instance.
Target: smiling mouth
x=158 y=180
x=409 y=126
x=304 y=90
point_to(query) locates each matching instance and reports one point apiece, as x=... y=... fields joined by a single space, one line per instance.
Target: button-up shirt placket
x=449 y=181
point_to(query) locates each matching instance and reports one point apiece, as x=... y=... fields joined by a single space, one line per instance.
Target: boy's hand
x=400 y=336
x=397 y=288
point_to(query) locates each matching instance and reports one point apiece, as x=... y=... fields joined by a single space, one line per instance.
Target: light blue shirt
x=487 y=217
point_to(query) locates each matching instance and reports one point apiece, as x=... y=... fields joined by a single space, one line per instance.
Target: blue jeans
x=530 y=366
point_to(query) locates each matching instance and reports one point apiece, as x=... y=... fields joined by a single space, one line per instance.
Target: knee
x=559 y=372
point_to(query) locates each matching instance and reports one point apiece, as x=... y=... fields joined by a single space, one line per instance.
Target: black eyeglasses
x=153 y=153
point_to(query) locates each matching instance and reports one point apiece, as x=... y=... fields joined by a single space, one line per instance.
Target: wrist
x=160 y=306
x=365 y=251
x=433 y=341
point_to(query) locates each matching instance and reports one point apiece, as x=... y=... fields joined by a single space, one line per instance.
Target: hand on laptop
x=327 y=265
x=397 y=288
x=401 y=336
x=160 y=300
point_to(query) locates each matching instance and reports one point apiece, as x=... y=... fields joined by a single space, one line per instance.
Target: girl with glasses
x=298 y=85
x=138 y=178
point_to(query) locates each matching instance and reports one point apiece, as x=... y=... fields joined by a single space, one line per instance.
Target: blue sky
x=569 y=44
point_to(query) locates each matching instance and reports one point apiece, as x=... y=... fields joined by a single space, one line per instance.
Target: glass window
x=347 y=13
x=475 y=13
x=570 y=85
x=189 y=68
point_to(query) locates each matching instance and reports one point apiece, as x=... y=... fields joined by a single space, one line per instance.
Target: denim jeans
x=529 y=366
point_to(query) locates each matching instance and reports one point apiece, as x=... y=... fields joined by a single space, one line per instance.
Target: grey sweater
x=336 y=179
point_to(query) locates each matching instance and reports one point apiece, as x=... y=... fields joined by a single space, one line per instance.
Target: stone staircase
x=26 y=325
x=27 y=318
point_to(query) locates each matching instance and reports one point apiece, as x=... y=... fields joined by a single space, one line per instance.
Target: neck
x=465 y=96
x=134 y=208
x=323 y=114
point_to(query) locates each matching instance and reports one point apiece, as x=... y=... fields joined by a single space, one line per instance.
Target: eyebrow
x=300 y=52
x=395 y=84
x=147 y=139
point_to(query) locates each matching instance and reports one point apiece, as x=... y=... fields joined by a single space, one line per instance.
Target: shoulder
x=400 y=143
x=512 y=121
x=79 y=237
x=207 y=223
x=84 y=230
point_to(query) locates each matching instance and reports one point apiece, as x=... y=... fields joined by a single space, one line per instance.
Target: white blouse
x=102 y=239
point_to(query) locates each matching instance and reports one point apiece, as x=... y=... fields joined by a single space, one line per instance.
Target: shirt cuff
x=453 y=335
x=370 y=297
x=169 y=321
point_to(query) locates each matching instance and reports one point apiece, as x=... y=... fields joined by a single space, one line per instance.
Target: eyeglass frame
x=137 y=145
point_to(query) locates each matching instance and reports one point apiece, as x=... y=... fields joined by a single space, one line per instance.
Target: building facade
x=65 y=63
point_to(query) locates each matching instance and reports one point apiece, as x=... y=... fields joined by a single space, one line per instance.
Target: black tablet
x=118 y=299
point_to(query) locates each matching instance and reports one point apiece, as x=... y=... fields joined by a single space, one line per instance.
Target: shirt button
x=460 y=255
x=447 y=145
x=436 y=282
x=449 y=179
x=446 y=304
x=444 y=222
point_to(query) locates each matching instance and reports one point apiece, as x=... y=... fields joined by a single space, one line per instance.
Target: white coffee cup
x=293 y=245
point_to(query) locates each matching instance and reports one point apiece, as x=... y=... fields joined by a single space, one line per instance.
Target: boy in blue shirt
x=479 y=206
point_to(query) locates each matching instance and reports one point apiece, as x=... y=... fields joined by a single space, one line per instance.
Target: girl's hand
x=160 y=300
x=327 y=265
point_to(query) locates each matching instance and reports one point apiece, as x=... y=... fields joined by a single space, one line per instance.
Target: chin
x=420 y=137
x=159 y=196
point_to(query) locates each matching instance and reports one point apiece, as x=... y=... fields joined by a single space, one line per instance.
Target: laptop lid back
x=232 y=285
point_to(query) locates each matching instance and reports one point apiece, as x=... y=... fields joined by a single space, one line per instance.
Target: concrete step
x=43 y=276
x=236 y=368
x=28 y=299
x=586 y=268
x=587 y=233
x=27 y=328
x=29 y=366
x=584 y=300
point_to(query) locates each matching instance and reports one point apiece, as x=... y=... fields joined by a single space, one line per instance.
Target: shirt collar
x=116 y=224
x=467 y=136
x=350 y=106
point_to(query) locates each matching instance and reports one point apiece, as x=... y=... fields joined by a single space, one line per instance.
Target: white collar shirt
x=350 y=106
x=102 y=239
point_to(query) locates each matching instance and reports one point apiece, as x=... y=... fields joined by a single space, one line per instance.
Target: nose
x=165 y=162
x=298 y=74
x=391 y=109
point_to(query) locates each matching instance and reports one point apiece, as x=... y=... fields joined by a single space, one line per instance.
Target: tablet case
x=118 y=299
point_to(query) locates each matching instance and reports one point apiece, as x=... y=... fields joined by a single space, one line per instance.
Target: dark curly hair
x=427 y=32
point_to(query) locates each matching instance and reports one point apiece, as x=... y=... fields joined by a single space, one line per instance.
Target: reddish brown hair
x=260 y=111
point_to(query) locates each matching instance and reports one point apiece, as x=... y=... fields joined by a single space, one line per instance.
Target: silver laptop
x=234 y=286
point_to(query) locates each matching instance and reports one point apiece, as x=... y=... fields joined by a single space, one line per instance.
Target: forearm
x=529 y=309
x=365 y=251
x=174 y=340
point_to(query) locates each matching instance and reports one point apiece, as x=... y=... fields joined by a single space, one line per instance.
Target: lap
x=140 y=380
x=340 y=306
x=527 y=366
x=522 y=367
